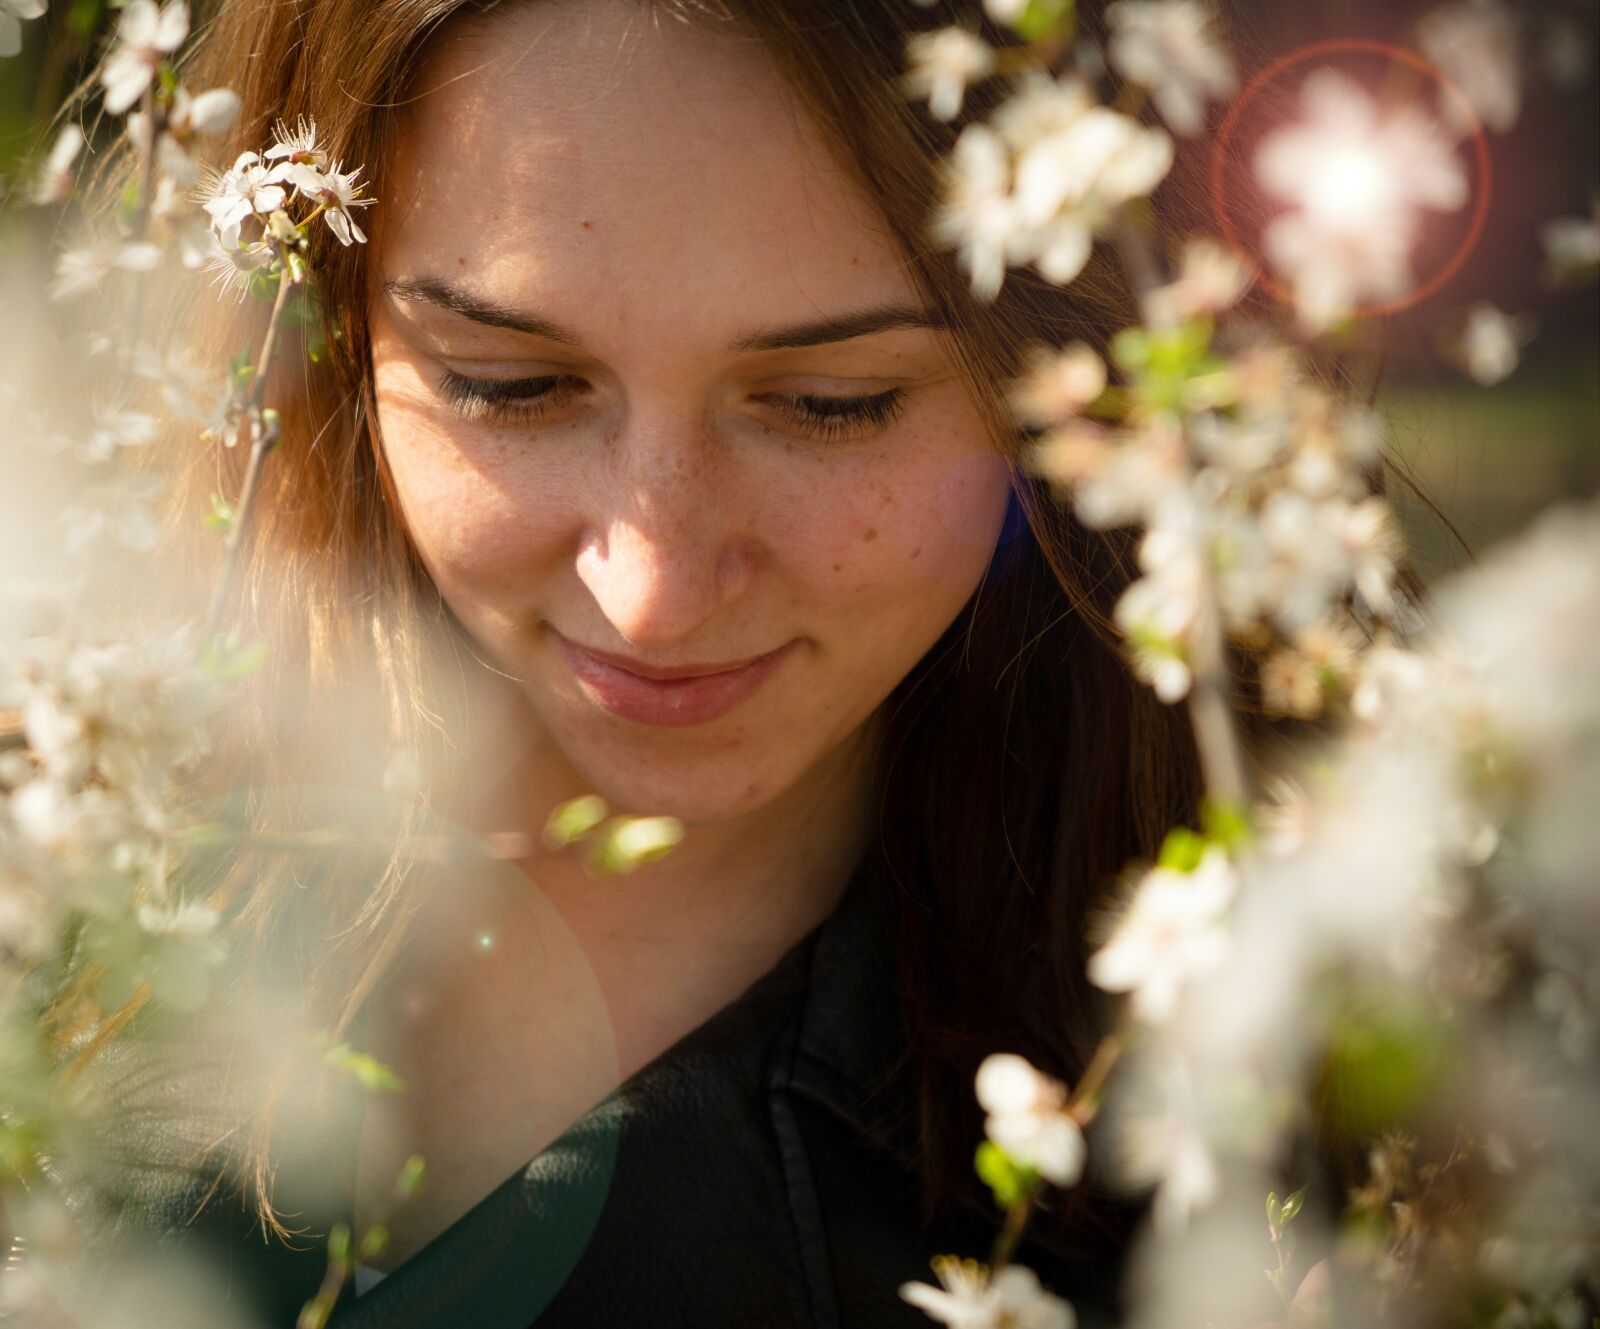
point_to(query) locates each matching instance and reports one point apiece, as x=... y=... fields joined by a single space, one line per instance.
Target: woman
x=650 y=388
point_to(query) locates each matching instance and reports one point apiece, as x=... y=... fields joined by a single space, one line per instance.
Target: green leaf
x=241 y=370
x=1007 y=1178
x=83 y=18
x=626 y=843
x=1130 y=350
x=220 y=518
x=368 y=1071
x=573 y=820
x=1182 y=850
x=1227 y=824
x=225 y=662
x=1274 y=1210
x=339 y=1243
x=166 y=80
x=262 y=283
x=412 y=1176
x=1047 y=19
x=1294 y=1203
x=374 y=1241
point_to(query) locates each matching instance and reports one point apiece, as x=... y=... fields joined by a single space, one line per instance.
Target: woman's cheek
x=479 y=527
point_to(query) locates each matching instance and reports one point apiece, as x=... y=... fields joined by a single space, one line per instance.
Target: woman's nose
x=668 y=547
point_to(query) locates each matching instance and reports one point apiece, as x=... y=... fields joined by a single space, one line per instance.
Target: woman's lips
x=671 y=702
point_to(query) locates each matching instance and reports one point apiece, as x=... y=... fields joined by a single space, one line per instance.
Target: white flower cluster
x=248 y=204
x=1356 y=182
x=167 y=126
x=1247 y=475
x=1037 y=183
x=87 y=806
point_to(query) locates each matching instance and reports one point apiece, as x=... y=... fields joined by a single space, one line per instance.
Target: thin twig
x=263 y=436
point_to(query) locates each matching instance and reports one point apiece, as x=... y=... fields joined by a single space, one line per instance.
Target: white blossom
x=1070 y=184
x=1476 y=44
x=122 y=508
x=1168 y=46
x=146 y=35
x=1171 y=932
x=1164 y=1142
x=335 y=192
x=943 y=64
x=54 y=181
x=1059 y=384
x=969 y=1298
x=247 y=189
x=115 y=428
x=299 y=146
x=11 y=14
x=184 y=920
x=976 y=214
x=1572 y=244
x=1028 y=1118
x=212 y=112
x=1211 y=278
x=1491 y=344
x=1355 y=182
x=81 y=270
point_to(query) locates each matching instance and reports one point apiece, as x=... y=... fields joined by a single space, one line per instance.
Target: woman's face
x=653 y=380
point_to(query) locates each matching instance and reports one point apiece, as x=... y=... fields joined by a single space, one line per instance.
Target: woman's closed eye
x=525 y=399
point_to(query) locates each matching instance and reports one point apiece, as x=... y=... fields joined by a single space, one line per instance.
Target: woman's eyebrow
x=841 y=327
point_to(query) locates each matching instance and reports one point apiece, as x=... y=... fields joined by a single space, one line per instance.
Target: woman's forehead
x=561 y=153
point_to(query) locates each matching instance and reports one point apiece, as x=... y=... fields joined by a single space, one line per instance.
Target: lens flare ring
x=1355 y=46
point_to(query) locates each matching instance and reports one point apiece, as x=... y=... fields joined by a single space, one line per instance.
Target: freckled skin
x=667 y=511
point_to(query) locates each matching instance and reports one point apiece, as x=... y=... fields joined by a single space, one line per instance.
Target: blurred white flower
x=1491 y=342
x=11 y=14
x=1355 y=182
x=1117 y=478
x=1476 y=45
x=1172 y=931
x=1158 y=612
x=1159 y=1138
x=132 y=712
x=1028 y=1118
x=54 y=181
x=115 y=428
x=1211 y=278
x=1040 y=107
x=122 y=508
x=976 y=213
x=1070 y=184
x=1058 y=384
x=1572 y=244
x=402 y=775
x=1005 y=11
x=943 y=64
x=212 y=112
x=185 y=920
x=969 y=1298
x=146 y=35
x=1169 y=47
x=81 y=270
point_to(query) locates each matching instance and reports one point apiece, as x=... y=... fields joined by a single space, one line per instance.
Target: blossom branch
x=264 y=431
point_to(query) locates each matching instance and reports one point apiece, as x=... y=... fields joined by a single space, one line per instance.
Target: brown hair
x=1023 y=766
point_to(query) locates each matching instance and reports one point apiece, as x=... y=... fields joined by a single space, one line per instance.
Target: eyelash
x=521 y=399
